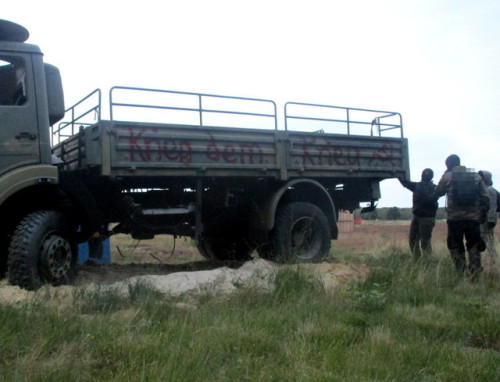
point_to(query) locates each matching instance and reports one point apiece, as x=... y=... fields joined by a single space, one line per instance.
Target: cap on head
x=427 y=174
x=452 y=161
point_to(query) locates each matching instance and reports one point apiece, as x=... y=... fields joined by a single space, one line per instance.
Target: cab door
x=19 y=140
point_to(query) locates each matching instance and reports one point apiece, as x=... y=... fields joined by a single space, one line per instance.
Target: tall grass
x=407 y=322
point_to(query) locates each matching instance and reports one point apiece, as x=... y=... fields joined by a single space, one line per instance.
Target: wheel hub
x=56 y=257
x=305 y=240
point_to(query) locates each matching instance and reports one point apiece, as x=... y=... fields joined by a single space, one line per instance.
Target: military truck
x=238 y=175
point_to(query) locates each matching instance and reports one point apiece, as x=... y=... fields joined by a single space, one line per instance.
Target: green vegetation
x=407 y=322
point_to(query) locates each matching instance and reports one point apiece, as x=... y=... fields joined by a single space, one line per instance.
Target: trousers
x=420 y=236
x=468 y=231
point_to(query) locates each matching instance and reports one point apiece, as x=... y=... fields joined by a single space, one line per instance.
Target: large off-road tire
x=225 y=248
x=301 y=234
x=41 y=251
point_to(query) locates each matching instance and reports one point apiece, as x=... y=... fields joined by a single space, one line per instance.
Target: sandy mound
x=335 y=275
x=259 y=274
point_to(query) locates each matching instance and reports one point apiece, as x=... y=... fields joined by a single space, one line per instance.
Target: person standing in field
x=488 y=226
x=466 y=203
x=424 y=213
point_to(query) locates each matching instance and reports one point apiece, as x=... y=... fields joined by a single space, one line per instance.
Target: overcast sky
x=434 y=61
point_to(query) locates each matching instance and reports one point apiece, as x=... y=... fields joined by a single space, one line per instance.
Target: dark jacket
x=424 y=202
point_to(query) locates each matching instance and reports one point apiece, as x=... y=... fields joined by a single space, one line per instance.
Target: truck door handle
x=26 y=135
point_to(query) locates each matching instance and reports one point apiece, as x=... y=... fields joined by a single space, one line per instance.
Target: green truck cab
x=224 y=171
x=31 y=99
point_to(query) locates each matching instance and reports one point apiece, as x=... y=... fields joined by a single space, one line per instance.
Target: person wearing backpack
x=488 y=226
x=424 y=213
x=466 y=204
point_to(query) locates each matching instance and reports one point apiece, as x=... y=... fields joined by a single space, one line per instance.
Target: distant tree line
x=393 y=213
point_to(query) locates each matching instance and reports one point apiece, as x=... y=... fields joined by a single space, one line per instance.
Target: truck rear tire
x=301 y=234
x=41 y=251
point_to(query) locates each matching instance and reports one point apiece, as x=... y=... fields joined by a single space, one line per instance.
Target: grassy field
x=408 y=322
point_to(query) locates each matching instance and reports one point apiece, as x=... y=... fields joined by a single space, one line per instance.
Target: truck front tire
x=301 y=234
x=41 y=251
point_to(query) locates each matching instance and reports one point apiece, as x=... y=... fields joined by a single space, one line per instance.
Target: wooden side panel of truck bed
x=180 y=150
x=337 y=155
x=149 y=150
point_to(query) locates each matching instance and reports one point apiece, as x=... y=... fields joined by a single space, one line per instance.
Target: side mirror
x=55 y=94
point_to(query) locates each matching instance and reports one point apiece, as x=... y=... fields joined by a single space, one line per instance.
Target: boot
x=475 y=267
x=458 y=259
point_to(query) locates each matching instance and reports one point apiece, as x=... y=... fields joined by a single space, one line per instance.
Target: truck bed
x=316 y=141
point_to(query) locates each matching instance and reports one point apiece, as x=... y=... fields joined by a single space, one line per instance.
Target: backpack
x=464 y=190
x=424 y=199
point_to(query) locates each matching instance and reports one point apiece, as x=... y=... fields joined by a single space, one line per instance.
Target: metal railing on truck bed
x=194 y=109
x=66 y=136
x=167 y=107
x=198 y=109
x=84 y=113
x=342 y=120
